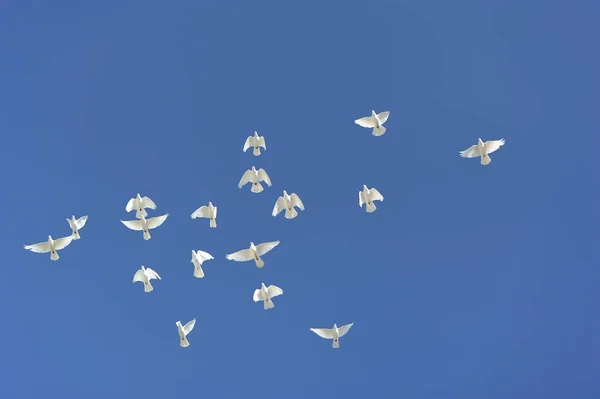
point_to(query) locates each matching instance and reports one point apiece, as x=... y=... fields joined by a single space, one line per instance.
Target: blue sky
x=468 y=281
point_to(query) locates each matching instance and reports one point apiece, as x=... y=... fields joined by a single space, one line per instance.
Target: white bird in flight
x=367 y=196
x=482 y=150
x=288 y=202
x=254 y=252
x=209 y=212
x=255 y=177
x=184 y=331
x=51 y=246
x=266 y=294
x=139 y=203
x=374 y=121
x=255 y=141
x=199 y=257
x=335 y=333
x=145 y=225
x=76 y=225
x=145 y=274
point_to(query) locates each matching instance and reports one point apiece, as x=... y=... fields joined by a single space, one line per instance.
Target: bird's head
x=178 y=323
x=335 y=326
x=285 y=194
x=73 y=217
x=210 y=205
x=49 y=238
x=373 y=113
x=479 y=141
x=254 y=169
x=263 y=286
x=365 y=187
x=252 y=245
x=143 y=268
x=138 y=196
x=255 y=134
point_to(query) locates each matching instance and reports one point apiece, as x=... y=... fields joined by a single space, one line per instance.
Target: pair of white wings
x=245 y=255
x=201 y=256
x=249 y=176
x=204 y=212
x=149 y=273
x=189 y=326
x=251 y=141
x=281 y=203
x=490 y=146
x=369 y=122
x=79 y=223
x=152 y=223
x=374 y=193
x=328 y=333
x=146 y=203
x=272 y=291
x=44 y=247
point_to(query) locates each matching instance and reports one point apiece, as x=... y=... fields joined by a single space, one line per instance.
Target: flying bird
x=255 y=177
x=145 y=225
x=266 y=294
x=335 y=333
x=255 y=141
x=145 y=274
x=52 y=246
x=139 y=203
x=368 y=196
x=288 y=202
x=482 y=150
x=76 y=225
x=209 y=212
x=374 y=121
x=254 y=252
x=184 y=331
x=199 y=257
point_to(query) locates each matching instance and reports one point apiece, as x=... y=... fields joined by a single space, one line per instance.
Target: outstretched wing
x=274 y=291
x=367 y=121
x=148 y=203
x=323 y=332
x=133 y=224
x=130 y=205
x=248 y=143
x=152 y=274
x=361 y=199
x=383 y=116
x=257 y=296
x=493 y=145
x=343 y=330
x=189 y=326
x=156 y=221
x=261 y=142
x=138 y=276
x=279 y=206
x=39 y=248
x=247 y=177
x=263 y=176
x=471 y=152
x=241 y=256
x=265 y=247
x=296 y=201
x=61 y=243
x=202 y=212
x=376 y=195
x=204 y=256
x=81 y=222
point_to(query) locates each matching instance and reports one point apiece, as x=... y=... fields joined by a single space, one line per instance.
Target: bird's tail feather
x=336 y=343
x=148 y=287
x=54 y=255
x=485 y=160
x=290 y=214
x=269 y=304
x=257 y=188
x=213 y=222
x=379 y=131
x=259 y=262
x=139 y=214
x=371 y=207
x=256 y=151
x=198 y=273
x=147 y=235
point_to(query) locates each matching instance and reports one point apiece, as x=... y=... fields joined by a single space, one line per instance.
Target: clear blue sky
x=468 y=281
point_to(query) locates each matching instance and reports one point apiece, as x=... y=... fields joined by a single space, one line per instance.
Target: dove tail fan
x=213 y=222
x=184 y=343
x=257 y=188
x=371 y=207
x=256 y=151
x=290 y=214
x=148 y=287
x=379 y=131
x=259 y=262
x=269 y=304
x=485 y=160
x=141 y=214
x=336 y=343
x=198 y=273
x=54 y=255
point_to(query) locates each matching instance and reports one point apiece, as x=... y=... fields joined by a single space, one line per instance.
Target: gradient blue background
x=468 y=281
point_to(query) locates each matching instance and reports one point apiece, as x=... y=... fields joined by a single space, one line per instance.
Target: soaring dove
x=367 y=196
x=254 y=252
x=335 y=333
x=145 y=274
x=51 y=246
x=255 y=177
x=209 y=212
x=145 y=225
x=288 y=202
x=184 y=331
x=266 y=294
x=255 y=141
x=139 y=203
x=374 y=121
x=199 y=257
x=76 y=225
x=482 y=150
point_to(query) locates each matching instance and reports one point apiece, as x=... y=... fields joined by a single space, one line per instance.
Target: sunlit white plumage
x=199 y=257
x=145 y=274
x=374 y=121
x=482 y=150
x=208 y=212
x=266 y=294
x=52 y=246
x=367 y=196
x=184 y=331
x=334 y=333
x=145 y=225
x=139 y=203
x=255 y=177
x=255 y=141
x=288 y=202
x=76 y=225
x=254 y=252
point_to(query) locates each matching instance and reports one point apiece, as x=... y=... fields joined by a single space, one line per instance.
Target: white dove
x=139 y=203
x=199 y=257
x=145 y=225
x=51 y=246
x=145 y=274
x=76 y=225
x=209 y=212
x=482 y=150
x=335 y=333
x=255 y=141
x=374 y=121
x=288 y=202
x=266 y=294
x=368 y=196
x=254 y=252
x=255 y=177
x=184 y=331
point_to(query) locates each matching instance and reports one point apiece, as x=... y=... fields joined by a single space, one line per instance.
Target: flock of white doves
x=286 y=202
